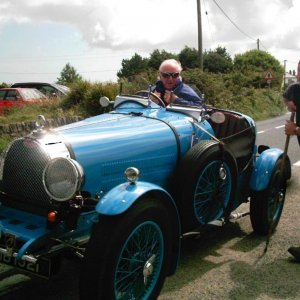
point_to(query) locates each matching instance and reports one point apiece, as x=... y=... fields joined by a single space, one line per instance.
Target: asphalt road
x=271 y=133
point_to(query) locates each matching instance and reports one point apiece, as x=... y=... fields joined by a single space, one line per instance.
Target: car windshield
x=32 y=94
x=62 y=88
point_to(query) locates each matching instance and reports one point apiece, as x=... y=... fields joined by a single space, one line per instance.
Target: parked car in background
x=51 y=90
x=11 y=97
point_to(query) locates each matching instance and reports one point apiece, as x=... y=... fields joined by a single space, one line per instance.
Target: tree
x=130 y=67
x=68 y=75
x=217 y=61
x=3 y=85
x=256 y=60
x=189 y=58
x=157 y=57
x=256 y=63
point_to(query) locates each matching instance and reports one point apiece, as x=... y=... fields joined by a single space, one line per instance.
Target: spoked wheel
x=208 y=176
x=212 y=191
x=266 y=206
x=139 y=262
x=127 y=256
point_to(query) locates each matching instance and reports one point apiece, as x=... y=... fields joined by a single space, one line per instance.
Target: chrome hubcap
x=148 y=268
x=222 y=173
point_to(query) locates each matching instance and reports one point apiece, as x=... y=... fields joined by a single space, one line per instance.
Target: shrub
x=84 y=97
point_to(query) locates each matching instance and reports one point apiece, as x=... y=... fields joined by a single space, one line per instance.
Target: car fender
x=123 y=196
x=262 y=172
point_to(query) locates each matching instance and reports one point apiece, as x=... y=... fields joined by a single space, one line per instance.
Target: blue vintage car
x=121 y=189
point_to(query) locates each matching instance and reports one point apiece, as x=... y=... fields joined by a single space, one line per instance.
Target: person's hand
x=170 y=97
x=290 y=127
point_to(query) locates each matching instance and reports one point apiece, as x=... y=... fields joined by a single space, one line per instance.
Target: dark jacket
x=292 y=93
x=186 y=95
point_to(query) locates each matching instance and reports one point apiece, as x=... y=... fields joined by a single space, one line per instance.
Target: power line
x=52 y=73
x=235 y=25
x=206 y=13
x=62 y=57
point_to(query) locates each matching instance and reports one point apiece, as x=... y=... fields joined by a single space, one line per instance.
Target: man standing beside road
x=291 y=98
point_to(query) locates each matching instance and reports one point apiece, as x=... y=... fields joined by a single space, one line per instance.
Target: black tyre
x=266 y=206
x=208 y=176
x=128 y=256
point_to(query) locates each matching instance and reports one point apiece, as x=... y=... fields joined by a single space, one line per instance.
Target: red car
x=10 y=97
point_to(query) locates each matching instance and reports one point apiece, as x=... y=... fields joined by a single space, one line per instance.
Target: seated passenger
x=170 y=87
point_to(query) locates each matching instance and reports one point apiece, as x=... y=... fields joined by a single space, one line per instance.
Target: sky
x=39 y=37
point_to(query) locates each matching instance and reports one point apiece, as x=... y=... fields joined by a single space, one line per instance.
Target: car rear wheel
x=207 y=175
x=128 y=256
x=266 y=206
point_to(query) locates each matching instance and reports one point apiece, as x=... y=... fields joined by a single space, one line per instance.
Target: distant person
x=291 y=98
x=170 y=87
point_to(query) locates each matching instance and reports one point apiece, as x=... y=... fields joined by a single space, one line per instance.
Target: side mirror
x=104 y=102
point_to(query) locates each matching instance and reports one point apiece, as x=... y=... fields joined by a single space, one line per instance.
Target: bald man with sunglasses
x=170 y=87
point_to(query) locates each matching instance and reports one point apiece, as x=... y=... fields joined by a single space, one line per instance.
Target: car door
x=10 y=98
x=13 y=98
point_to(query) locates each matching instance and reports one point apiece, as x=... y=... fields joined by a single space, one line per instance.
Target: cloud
x=145 y=25
x=112 y=23
x=275 y=22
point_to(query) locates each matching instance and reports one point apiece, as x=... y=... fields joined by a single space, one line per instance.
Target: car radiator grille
x=23 y=168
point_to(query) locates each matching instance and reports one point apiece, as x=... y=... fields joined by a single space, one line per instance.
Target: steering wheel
x=145 y=93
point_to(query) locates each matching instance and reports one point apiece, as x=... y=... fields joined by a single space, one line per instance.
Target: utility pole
x=200 y=34
x=257 y=44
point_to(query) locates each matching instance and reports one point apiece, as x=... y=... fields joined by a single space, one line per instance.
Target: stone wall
x=23 y=128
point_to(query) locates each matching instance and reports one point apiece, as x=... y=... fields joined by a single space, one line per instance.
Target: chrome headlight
x=62 y=178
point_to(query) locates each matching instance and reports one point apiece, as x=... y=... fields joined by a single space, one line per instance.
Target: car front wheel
x=128 y=255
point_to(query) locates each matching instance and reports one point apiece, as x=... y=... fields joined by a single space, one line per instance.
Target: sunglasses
x=168 y=75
